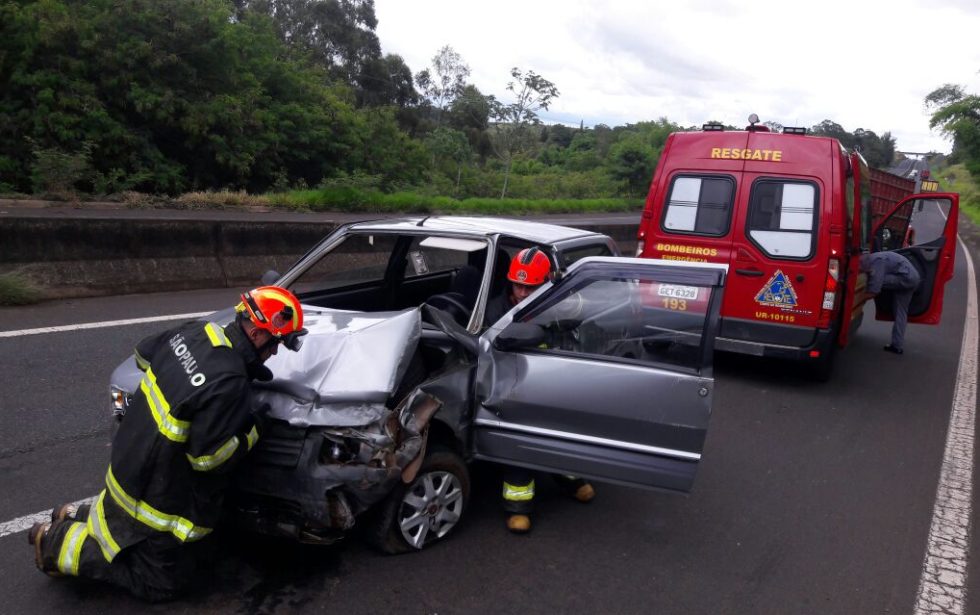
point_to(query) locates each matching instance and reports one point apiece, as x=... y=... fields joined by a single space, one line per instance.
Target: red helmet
x=530 y=267
x=276 y=310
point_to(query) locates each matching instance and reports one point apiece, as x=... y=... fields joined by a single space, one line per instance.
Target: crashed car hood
x=348 y=367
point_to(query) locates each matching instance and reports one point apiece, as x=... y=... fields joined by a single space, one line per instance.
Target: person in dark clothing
x=187 y=428
x=892 y=271
x=528 y=270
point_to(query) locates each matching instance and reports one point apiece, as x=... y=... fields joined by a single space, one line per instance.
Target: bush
x=16 y=289
x=956 y=178
x=56 y=172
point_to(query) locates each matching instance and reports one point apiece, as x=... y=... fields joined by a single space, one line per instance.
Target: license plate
x=677 y=292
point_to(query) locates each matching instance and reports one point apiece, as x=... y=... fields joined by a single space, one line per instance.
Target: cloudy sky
x=863 y=64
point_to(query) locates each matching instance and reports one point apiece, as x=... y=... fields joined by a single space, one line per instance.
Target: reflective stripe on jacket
x=189 y=423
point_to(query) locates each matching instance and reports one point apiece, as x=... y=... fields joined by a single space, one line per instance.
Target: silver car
x=604 y=373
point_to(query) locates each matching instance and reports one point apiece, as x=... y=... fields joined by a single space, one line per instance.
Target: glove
x=260 y=416
x=260 y=372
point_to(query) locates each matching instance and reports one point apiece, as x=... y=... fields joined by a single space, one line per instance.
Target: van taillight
x=639 y=248
x=830 y=288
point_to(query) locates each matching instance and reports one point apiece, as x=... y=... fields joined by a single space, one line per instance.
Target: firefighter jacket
x=189 y=423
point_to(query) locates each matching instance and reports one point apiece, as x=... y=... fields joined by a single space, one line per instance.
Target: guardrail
x=78 y=257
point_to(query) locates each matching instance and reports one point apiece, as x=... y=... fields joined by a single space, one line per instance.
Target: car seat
x=466 y=284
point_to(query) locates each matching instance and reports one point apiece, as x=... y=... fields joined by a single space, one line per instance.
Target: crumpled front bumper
x=309 y=483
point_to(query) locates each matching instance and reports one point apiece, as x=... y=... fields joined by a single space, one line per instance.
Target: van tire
x=822 y=369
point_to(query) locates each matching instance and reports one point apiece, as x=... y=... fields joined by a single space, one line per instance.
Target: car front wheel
x=414 y=516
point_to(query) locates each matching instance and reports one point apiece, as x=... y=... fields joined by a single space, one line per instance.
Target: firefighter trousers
x=158 y=568
x=518 y=492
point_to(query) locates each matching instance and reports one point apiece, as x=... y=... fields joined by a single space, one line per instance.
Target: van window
x=783 y=218
x=699 y=205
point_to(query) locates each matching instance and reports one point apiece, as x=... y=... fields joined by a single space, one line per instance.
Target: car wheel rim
x=432 y=506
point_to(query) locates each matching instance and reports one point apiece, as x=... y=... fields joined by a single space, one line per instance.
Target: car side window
x=572 y=255
x=626 y=320
x=783 y=218
x=430 y=255
x=699 y=205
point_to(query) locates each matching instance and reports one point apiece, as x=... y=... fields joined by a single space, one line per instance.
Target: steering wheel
x=452 y=304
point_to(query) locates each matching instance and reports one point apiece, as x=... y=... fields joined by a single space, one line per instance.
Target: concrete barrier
x=78 y=257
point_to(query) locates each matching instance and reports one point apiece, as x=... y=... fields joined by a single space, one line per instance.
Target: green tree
x=176 y=93
x=387 y=81
x=582 y=153
x=532 y=93
x=449 y=144
x=878 y=151
x=957 y=115
x=631 y=160
x=382 y=149
x=337 y=34
x=828 y=128
x=469 y=112
x=445 y=82
x=559 y=135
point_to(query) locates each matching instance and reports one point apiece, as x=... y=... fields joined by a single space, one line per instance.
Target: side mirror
x=519 y=335
x=269 y=277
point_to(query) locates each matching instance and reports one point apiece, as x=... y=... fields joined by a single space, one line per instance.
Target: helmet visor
x=294 y=341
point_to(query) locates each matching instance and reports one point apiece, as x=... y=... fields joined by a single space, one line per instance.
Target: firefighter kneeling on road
x=190 y=423
x=528 y=270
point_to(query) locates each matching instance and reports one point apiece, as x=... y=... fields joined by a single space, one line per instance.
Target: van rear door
x=930 y=221
x=692 y=204
x=779 y=263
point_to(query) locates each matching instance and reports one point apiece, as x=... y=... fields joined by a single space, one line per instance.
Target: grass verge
x=356 y=200
x=15 y=289
x=368 y=200
x=956 y=178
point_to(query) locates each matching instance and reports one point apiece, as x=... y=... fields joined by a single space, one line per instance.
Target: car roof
x=537 y=232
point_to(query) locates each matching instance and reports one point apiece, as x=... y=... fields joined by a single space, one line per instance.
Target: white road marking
x=105 y=323
x=942 y=587
x=23 y=523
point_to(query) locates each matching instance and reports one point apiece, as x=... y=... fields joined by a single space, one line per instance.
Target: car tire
x=414 y=516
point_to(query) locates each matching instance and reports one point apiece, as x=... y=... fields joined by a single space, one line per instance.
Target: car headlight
x=119 y=401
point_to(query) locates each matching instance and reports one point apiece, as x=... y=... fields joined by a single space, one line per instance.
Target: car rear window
x=783 y=218
x=699 y=205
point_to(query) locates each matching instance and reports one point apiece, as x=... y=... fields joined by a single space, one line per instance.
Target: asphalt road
x=811 y=498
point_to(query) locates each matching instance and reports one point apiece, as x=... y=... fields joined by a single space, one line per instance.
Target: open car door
x=921 y=228
x=605 y=374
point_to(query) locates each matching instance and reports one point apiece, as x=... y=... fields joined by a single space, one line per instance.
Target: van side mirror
x=519 y=335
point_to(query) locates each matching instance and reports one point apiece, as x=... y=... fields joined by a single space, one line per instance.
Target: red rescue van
x=791 y=214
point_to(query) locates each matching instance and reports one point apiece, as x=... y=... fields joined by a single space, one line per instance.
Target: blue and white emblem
x=778 y=292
